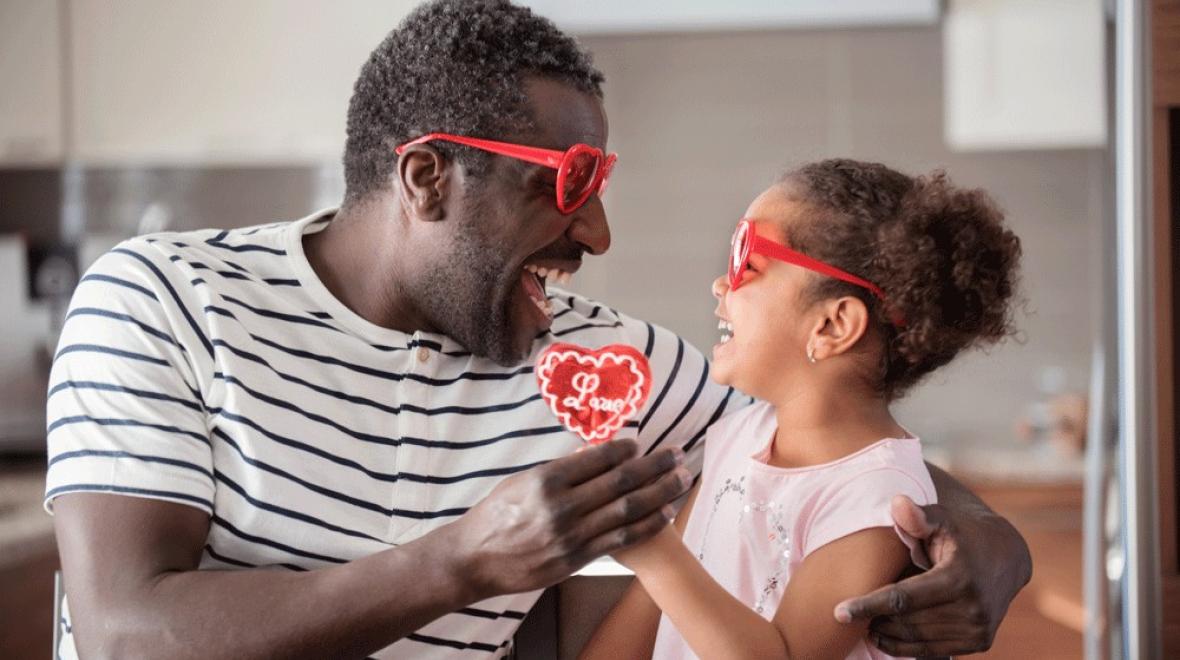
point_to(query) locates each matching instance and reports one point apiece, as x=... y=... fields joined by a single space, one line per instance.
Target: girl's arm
x=629 y=630
x=718 y=626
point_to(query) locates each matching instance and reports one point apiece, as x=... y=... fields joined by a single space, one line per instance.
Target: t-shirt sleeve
x=684 y=401
x=125 y=412
x=863 y=502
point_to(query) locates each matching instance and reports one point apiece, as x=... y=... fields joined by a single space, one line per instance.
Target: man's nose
x=589 y=227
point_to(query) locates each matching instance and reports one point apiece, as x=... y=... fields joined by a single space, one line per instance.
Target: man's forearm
x=957 y=499
x=344 y=611
x=954 y=495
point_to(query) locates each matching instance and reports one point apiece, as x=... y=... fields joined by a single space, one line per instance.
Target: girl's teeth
x=726 y=329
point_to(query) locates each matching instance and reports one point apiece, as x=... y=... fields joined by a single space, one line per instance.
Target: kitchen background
x=121 y=117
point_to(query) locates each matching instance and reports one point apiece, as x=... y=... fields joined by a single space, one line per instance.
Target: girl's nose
x=720 y=286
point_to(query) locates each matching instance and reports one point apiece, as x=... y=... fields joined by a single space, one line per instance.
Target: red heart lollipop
x=593 y=392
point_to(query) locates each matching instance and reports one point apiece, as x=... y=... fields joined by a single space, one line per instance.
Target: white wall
x=702 y=123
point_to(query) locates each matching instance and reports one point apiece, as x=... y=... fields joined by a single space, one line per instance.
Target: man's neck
x=357 y=257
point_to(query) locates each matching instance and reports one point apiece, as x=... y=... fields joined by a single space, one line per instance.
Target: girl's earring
x=810 y=354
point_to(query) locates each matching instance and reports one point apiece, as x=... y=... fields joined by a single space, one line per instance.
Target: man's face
x=485 y=289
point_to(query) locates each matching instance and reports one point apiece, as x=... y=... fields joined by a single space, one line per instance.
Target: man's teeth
x=545 y=306
x=557 y=275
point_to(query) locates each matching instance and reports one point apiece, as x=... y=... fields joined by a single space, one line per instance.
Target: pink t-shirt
x=754 y=523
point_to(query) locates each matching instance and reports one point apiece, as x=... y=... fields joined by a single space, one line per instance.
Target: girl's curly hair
x=942 y=255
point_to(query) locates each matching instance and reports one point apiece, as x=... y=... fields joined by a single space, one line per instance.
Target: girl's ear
x=842 y=323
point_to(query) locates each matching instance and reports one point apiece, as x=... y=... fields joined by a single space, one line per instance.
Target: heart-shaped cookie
x=593 y=392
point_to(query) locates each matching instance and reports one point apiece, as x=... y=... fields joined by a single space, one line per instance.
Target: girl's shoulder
x=746 y=427
x=856 y=493
x=890 y=464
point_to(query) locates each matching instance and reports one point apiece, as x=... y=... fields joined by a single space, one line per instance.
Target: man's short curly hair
x=454 y=66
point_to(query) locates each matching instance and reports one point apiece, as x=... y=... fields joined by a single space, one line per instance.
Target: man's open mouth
x=534 y=278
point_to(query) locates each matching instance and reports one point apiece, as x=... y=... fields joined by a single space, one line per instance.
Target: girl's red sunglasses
x=747 y=241
x=582 y=170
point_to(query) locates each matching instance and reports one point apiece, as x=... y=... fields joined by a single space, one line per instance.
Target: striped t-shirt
x=214 y=369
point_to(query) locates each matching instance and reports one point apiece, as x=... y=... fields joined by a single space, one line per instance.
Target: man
x=324 y=438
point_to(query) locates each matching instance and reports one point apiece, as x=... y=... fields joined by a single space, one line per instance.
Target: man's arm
x=129 y=565
x=980 y=563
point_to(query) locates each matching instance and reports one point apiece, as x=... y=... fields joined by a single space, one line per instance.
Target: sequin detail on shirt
x=778 y=537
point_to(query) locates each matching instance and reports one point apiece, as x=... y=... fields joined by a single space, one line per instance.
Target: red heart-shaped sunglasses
x=746 y=241
x=582 y=170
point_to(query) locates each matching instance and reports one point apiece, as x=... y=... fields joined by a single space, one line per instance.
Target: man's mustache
x=559 y=252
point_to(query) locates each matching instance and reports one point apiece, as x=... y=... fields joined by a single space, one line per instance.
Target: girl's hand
x=645 y=555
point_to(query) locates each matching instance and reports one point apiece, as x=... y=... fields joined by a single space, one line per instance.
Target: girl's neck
x=822 y=422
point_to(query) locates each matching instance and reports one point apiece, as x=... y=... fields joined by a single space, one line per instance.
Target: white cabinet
x=217 y=81
x=1024 y=74
x=30 y=83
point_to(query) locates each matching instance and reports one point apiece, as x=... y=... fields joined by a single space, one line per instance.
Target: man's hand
x=980 y=563
x=655 y=551
x=537 y=527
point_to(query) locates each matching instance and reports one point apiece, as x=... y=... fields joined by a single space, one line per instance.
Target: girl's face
x=765 y=319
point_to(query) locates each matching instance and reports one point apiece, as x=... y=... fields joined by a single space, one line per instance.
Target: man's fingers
x=587 y=464
x=934 y=648
x=624 y=536
x=626 y=478
x=903 y=631
x=934 y=587
x=638 y=504
x=949 y=612
x=910 y=517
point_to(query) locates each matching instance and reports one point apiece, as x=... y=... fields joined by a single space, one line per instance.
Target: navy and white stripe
x=213 y=369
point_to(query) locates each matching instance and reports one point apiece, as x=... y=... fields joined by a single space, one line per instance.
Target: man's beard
x=468 y=295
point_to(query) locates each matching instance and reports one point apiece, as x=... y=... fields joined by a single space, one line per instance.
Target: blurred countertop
x=1028 y=464
x=26 y=530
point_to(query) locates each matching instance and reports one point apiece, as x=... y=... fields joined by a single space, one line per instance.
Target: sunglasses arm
x=534 y=155
x=774 y=250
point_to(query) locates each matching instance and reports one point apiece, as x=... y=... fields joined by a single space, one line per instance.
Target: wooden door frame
x=1165 y=103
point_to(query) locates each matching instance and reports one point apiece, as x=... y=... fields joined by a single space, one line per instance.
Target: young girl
x=848 y=283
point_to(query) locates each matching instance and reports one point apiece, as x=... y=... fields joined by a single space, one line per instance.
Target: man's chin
x=508 y=349
x=504 y=337
x=503 y=355
x=513 y=352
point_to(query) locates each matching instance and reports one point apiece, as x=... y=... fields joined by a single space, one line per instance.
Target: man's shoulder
x=582 y=320
x=254 y=252
x=267 y=238
x=182 y=268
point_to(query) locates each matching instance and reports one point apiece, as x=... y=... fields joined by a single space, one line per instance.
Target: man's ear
x=424 y=178
x=845 y=320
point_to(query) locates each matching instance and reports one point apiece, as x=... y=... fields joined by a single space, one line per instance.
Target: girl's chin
x=720 y=372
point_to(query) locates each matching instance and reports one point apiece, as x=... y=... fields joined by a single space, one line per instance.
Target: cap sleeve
x=862 y=501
